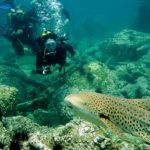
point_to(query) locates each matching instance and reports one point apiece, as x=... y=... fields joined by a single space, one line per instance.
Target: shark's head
x=82 y=105
x=74 y=101
x=88 y=101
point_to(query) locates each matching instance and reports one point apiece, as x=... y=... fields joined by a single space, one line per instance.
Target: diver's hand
x=45 y=72
x=66 y=21
x=19 y=32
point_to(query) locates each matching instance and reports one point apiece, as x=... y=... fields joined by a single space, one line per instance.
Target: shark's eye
x=70 y=106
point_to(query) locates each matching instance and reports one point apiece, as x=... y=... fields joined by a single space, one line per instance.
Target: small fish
x=131 y=116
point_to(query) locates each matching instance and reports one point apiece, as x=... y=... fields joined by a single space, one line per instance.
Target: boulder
x=128 y=45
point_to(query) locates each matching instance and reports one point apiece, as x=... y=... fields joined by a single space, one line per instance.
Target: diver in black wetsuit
x=22 y=26
x=53 y=51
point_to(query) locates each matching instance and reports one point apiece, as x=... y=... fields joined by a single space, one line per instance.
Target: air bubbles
x=50 y=14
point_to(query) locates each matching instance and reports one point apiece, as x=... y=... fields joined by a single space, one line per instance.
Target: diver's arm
x=70 y=49
x=66 y=14
x=31 y=15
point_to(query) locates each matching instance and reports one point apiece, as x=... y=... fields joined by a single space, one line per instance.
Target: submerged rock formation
x=124 y=64
x=128 y=45
x=21 y=133
x=8 y=98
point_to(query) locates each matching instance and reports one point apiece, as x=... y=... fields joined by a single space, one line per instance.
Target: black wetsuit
x=57 y=57
x=27 y=25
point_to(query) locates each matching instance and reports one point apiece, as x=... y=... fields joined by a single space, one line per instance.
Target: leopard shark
x=128 y=115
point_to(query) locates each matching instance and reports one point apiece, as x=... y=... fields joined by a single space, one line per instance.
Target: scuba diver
x=22 y=26
x=53 y=51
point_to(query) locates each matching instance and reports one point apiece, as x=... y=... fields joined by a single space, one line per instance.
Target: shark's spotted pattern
x=132 y=116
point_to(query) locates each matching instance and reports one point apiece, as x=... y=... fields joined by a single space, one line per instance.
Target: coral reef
x=81 y=135
x=124 y=64
x=117 y=66
x=100 y=77
x=19 y=89
x=22 y=133
x=13 y=76
x=128 y=45
x=5 y=138
x=7 y=99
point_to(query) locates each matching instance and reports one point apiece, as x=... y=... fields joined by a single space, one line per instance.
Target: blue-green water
x=101 y=16
x=115 y=15
x=98 y=16
x=111 y=41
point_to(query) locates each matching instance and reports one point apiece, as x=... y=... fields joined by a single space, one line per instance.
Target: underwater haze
x=74 y=74
x=101 y=14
